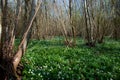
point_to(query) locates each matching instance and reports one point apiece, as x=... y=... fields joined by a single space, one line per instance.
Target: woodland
x=59 y=39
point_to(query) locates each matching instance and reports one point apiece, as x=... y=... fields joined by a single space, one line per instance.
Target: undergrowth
x=51 y=60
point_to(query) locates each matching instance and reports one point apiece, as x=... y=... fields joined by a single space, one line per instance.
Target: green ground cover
x=51 y=60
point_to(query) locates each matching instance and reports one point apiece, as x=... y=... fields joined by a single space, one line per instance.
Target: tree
x=116 y=18
x=89 y=23
x=72 y=43
x=10 y=67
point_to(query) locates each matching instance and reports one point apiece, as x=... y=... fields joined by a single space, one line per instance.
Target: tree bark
x=10 y=67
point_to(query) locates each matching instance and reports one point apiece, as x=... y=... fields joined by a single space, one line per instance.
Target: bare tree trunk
x=86 y=22
x=10 y=67
x=72 y=43
x=116 y=19
x=6 y=51
x=90 y=25
x=34 y=3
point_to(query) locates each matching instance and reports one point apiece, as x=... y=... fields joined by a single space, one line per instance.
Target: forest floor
x=52 y=60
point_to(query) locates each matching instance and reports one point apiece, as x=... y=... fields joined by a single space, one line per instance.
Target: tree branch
x=20 y=52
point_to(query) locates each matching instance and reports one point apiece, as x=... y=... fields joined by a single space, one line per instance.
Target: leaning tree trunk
x=10 y=67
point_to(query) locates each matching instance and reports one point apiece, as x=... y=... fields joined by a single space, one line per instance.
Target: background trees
x=68 y=18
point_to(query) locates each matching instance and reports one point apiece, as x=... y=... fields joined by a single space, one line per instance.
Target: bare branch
x=20 y=52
